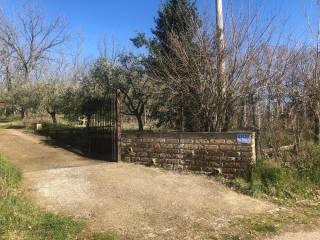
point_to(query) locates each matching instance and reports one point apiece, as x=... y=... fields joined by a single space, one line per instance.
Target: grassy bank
x=19 y=219
x=292 y=178
x=292 y=182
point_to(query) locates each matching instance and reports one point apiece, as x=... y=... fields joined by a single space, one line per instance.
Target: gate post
x=118 y=125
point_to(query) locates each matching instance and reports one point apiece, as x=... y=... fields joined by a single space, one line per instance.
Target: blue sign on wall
x=244 y=139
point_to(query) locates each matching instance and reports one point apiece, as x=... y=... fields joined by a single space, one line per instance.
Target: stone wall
x=225 y=153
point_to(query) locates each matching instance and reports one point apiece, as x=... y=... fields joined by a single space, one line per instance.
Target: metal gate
x=101 y=138
x=104 y=128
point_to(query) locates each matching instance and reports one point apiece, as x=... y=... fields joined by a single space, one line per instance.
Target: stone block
x=231 y=141
x=232 y=153
x=166 y=145
x=171 y=151
x=186 y=141
x=190 y=146
x=201 y=141
x=212 y=147
x=172 y=140
x=160 y=140
x=186 y=151
x=226 y=159
x=217 y=141
x=148 y=140
x=244 y=148
x=213 y=158
x=227 y=147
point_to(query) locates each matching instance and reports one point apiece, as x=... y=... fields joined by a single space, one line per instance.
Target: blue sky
x=121 y=19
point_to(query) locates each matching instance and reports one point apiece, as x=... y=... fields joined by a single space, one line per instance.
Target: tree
x=52 y=101
x=134 y=85
x=31 y=39
x=178 y=18
x=24 y=96
x=93 y=89
x=27 y=41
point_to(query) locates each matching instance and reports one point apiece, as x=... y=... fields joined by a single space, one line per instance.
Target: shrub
x=307 y=163
x=274 y=179
x=271 y=178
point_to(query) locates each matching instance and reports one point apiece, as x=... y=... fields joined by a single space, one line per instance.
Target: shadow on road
x=97 y=145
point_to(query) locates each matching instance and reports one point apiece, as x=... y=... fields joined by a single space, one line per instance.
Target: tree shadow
x=93 y=145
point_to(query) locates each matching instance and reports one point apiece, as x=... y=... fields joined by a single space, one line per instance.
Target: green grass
x=259 y=226
x=19 y=219
x=292 y=182
x=276 y=180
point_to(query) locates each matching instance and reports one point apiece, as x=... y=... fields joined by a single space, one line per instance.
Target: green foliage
x=92 y=92
x=276 y=180
x=175 y=16
x=52 y=97
x=265 y=227
x=24 y=97
x=52 y=226
x=173 y=53
x=135 y=86
x=307 y=162
x=19 y=219
x=10 y=176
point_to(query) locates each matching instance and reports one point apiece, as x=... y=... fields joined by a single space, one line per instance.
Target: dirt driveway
x=134 y=201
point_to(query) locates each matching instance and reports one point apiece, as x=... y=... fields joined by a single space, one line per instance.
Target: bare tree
x=31 y=39
x=27 y=41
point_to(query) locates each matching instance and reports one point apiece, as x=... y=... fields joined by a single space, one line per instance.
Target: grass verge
x=19 y=219
x=293 y=185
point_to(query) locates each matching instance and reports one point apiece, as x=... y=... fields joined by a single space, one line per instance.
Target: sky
x=122 y=19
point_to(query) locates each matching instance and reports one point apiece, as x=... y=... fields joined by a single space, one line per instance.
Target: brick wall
x=226 y=153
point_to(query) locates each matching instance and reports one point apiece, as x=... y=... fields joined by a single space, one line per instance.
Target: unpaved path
x=31 y=153
x=299 y=236
x=134 y=201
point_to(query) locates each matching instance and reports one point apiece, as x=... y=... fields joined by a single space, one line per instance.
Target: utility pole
x=317 y=84
x=220 y=43
x=221 y=61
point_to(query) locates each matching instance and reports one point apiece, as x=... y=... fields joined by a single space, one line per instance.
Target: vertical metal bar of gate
x=118 y=126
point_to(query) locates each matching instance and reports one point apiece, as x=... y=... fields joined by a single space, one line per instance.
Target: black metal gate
x=100 y=139
x=101 y=130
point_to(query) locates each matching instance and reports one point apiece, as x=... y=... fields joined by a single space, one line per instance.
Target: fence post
x=118 y=125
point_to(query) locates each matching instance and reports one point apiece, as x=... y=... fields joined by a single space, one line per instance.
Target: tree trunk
x=226 y=116
x=297 y=134
x=53 y=117
x=226 y=122
x=22 y=113
x=316 y=129
x=140 y=122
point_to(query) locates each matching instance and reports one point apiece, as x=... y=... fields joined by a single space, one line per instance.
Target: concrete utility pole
x=221 y=46
x=221 y=88
x=316 y=76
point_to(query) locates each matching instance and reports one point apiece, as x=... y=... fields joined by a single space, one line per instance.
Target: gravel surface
x=134 y=201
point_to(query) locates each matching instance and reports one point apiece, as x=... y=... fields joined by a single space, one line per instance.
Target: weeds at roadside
x=293 y=185
x=19 y=219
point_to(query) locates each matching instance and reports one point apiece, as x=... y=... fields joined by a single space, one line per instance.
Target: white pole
x=221 y=46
